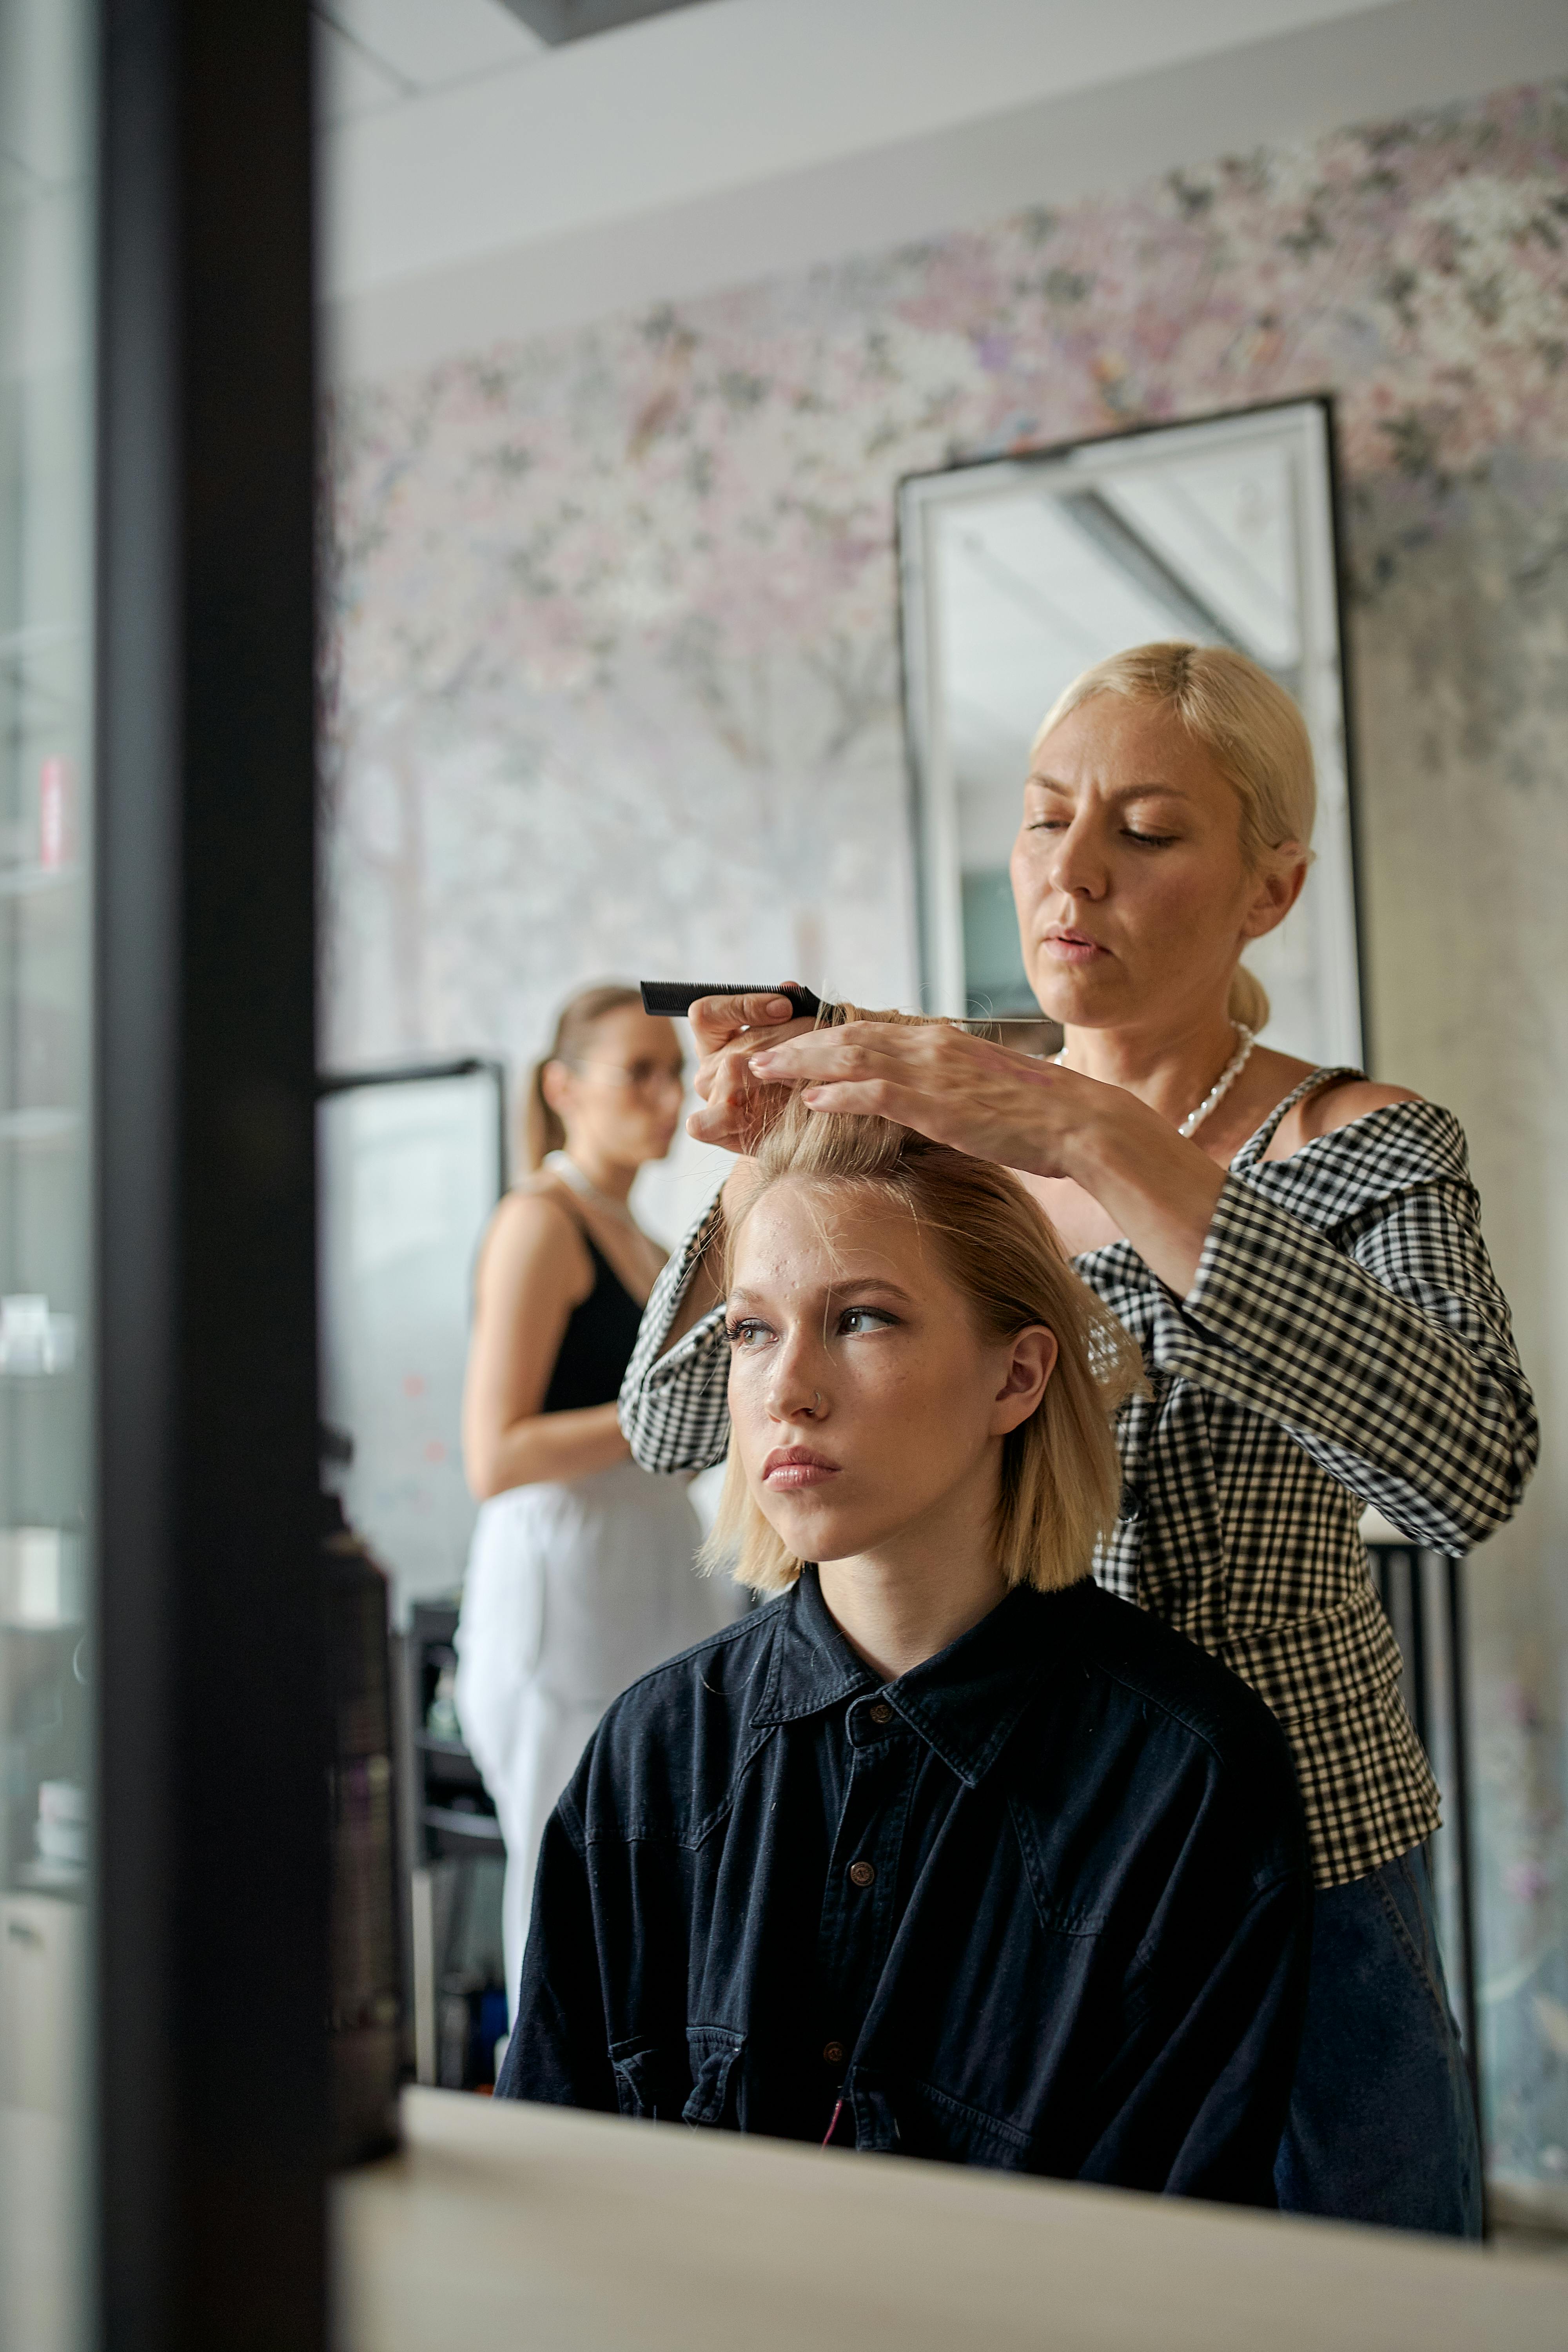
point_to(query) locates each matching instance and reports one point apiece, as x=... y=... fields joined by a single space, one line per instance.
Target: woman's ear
x=1029 y=1366
x=555 y=1086
x=1279 y=887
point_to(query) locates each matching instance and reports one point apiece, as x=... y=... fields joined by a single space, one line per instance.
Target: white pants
x=572 y=1593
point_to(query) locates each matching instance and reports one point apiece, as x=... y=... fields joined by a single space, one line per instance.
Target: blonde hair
x=542 y=1129
x=1256 y=735
x=1061 y=1477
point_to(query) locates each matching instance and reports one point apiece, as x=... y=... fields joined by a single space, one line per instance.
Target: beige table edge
x=510 y=2225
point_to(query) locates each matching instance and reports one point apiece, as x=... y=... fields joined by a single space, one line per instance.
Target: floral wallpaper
x=612 y=685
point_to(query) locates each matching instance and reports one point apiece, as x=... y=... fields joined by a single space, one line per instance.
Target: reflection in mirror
x=1019 y=573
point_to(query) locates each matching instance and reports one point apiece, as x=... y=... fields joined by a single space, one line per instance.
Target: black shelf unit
x=453 y=1859
x=454 y=1816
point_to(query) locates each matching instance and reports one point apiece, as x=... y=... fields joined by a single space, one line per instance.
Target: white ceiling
x=377 y=55
x=446 y=147
x=644 y=161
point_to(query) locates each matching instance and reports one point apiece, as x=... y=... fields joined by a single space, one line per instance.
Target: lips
x=1065 y=945
x=792 y=1466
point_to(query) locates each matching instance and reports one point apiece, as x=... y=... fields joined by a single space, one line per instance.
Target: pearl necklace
x=562 y=1164
x=1222 y=1085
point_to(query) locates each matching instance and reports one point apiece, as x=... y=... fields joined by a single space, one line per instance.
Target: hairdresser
x=1297 y=1251
x=580 y=1577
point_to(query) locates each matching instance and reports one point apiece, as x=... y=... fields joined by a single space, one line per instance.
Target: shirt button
x=881 y=1712
x=861 y=1874
x=834 y=2053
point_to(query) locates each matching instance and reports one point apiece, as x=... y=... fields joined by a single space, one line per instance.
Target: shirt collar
x=964 y=1702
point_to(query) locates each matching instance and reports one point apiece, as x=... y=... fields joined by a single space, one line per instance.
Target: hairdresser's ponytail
x=542 y=1129
x=1249 y=999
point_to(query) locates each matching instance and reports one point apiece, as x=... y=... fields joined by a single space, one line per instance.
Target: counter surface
x=533 y=2227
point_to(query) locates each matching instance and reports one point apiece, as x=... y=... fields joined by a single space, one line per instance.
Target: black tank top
x=597 y=1344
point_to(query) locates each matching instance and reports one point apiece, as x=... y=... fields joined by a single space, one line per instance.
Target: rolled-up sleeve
x=674 y=1404
x=1381 y=1341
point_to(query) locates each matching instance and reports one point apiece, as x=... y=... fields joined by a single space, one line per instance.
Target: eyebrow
x=1123 y=791
x=870 y=1281
x=860 y=1282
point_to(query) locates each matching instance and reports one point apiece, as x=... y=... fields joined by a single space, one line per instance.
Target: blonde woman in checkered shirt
x=1304 y=1269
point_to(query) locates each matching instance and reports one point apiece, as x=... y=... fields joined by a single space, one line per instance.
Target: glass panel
x=46 y=510
x=410 y=1168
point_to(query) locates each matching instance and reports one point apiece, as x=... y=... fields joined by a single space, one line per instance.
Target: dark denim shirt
x=1042 y=1903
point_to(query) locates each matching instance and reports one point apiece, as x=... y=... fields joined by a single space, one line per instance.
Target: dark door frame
x=211 y=1882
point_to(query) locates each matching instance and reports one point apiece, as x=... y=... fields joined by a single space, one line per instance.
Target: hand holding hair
x=978 y=1097
x=737 y=1110
x=1031 y=1116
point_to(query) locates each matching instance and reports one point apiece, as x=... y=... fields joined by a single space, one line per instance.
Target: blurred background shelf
x=37 y=881
x=448 y=1822
x=42 y=1129
x=454 y=1858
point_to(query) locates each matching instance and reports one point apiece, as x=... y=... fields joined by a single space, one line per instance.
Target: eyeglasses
x=641 y=1078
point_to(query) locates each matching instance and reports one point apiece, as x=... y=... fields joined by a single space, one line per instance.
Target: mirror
x=412 y=1162
x=1016 y=573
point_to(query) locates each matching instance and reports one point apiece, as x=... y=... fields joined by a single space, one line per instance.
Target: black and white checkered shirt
x=1346 y=1343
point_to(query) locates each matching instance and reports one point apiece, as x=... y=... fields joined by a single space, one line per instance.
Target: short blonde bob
x=1061 y=1480
x=1257 y=738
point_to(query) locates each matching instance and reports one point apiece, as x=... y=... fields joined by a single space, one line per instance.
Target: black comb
x=675 y=998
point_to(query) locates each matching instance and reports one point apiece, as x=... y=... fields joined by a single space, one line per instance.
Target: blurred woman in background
x=580 y=1577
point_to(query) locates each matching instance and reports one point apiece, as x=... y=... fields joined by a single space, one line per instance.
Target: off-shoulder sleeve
x=674 y=1408
x=1352 y=1300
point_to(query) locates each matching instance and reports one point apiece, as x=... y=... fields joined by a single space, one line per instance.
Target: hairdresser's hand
x=737 y=1109
x=1155 y=1187
x=961 y=1091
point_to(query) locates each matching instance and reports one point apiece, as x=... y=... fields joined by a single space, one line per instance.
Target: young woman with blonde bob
x=1297 y=1251
x=581 y=1571
x=946 y=1851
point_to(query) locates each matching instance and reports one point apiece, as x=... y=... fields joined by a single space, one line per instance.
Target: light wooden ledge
x=542 y=2231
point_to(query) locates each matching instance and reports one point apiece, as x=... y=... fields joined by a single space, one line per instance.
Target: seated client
x=946 y=1852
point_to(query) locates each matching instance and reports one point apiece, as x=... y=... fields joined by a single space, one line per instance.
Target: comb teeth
x=675 y=998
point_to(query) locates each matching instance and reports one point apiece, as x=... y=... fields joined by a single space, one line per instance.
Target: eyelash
x=1144 y=840
x=747 y=1327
